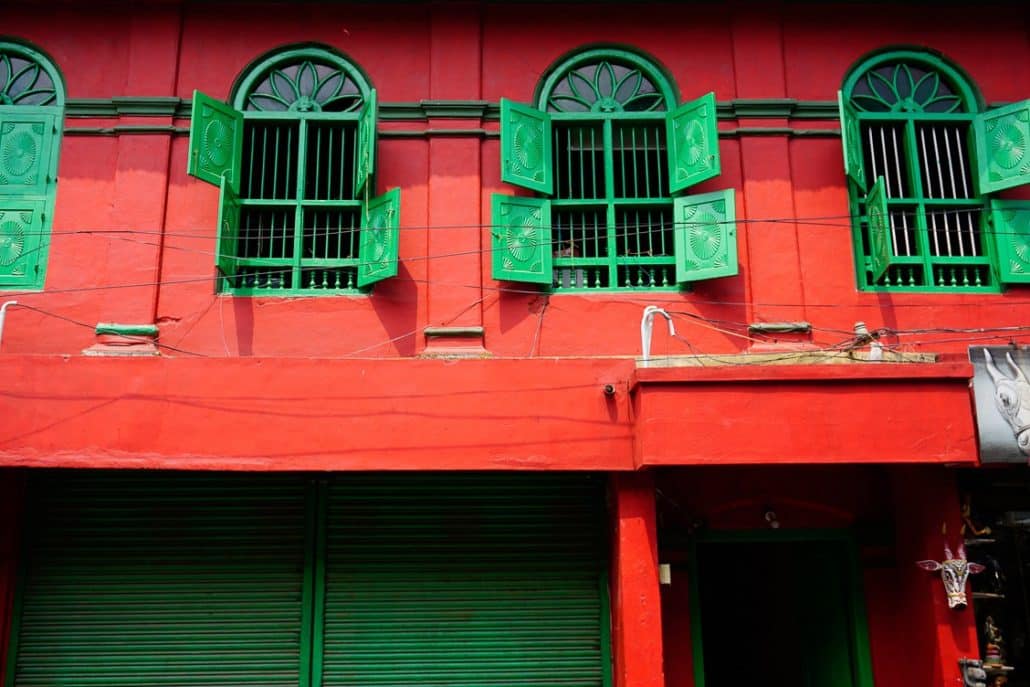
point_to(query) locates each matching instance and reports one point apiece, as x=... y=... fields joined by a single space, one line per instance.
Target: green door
x=161 y=579
x=466 y=580
x=780 y=614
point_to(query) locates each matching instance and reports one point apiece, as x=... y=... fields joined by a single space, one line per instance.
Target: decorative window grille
x=31 y=115
x=297 y=215
x=913 y=138
x=607 y=150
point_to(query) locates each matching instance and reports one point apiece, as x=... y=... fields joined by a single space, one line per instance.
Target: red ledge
x=754 y=372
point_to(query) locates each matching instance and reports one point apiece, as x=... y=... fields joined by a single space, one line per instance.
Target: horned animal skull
x=954 y=573
x=1012 y=396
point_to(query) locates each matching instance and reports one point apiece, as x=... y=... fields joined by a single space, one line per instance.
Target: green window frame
x=922 y=161
x=31 y=117
x=294 y=156
x=608 y=153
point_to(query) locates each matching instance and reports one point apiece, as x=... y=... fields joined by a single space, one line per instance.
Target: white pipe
x=3 y=315
x=646 y=327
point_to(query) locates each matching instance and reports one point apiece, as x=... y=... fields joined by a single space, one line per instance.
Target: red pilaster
x=636 y=603
x=937 y=636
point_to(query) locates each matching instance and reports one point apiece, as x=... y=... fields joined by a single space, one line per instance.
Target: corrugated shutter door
x=162 y=579
x=466 y=580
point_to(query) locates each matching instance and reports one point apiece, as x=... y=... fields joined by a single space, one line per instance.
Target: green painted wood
x=21 y=238
x=226 y=248
x=526 y=147
x=117 y=329
x=705 y=236
x=1010 y=227
x=465 y=580
x=878 y=220
x=851 y=142
x=521 y=239
x=27 y=141
x=693 y=141
x=1002 y=139
x=380 y=239
x=216 y=141
x=365 y=160
x=162 y=579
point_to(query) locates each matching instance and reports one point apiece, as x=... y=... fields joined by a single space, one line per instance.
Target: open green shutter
x=851 y=142
x=1002 y=138
x=521 y=244
x=1010 y=225
x=456 y=579
x=693 y=139
x=705 y=236
x=26 y=151
x=526 y=147
x=380 y=238
x=365 y=164
x=161 y=579
x=881 y=250
x=227 y=246
x=216 y=141
x=21 y=239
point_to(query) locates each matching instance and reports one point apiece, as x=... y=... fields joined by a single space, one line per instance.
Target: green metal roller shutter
x=163 y=579
x=465 y=580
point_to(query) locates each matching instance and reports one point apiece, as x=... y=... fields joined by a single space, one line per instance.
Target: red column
x=636 y=603
x=925 y=498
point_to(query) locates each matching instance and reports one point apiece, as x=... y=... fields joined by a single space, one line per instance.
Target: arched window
x=295 y=156
x=921 y=159
x=606 y=148
x=31 y=116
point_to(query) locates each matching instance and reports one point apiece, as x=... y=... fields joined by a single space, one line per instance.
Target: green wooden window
x=295 y=157
x=608 y=151
x=921 y=160
x=31 y=115
x=160 y=579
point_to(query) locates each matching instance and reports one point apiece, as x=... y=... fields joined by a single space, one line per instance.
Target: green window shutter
x=1010 y=224
x=1002 y=138
x=465 y=580
x=851 y=142
x=163 y=579
x=526 y=147
x=705 y=236
x=216 y=141
x=21 y=228
x=26 y=150
x=693 y=136
x=227 y=247
x=365 y=164
x=380 y=237
x=521 y=243
x=881 y=251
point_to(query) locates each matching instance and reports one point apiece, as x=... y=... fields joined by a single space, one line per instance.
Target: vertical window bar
x=897 y=161
x=636 y=172
x=872 y=152
x=582 y=163
x=658 y=160
x=647 y=167
x=318 y=163
x=937 y=156
x=264 y=159
x=886 y=166
x=622 y=162
x=932 y=216
x=904 y=234
x=951 y=163
x=253 y=159
x=568 y=163
x=290 y=181
x=962 y=164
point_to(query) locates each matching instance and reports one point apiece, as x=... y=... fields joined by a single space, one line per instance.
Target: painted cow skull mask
x=954 y=573
x=1012 y=397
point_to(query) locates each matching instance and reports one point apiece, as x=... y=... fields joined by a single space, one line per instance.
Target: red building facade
x=232 y=345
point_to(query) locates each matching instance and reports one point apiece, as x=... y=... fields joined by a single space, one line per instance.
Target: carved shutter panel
x=693 y=140
x=380 y=236
x=1002 y=138
x=1010 y=224
x=705 y=236
x=521 y=243
x=881 y=250
x=227 y=248
x=216 y=141
x=851 y=142
x=365 y=164
x=26 y=148
x=526 y=147
x=21 y=226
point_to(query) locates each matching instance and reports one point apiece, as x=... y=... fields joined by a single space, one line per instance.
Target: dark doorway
x=777 y=614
